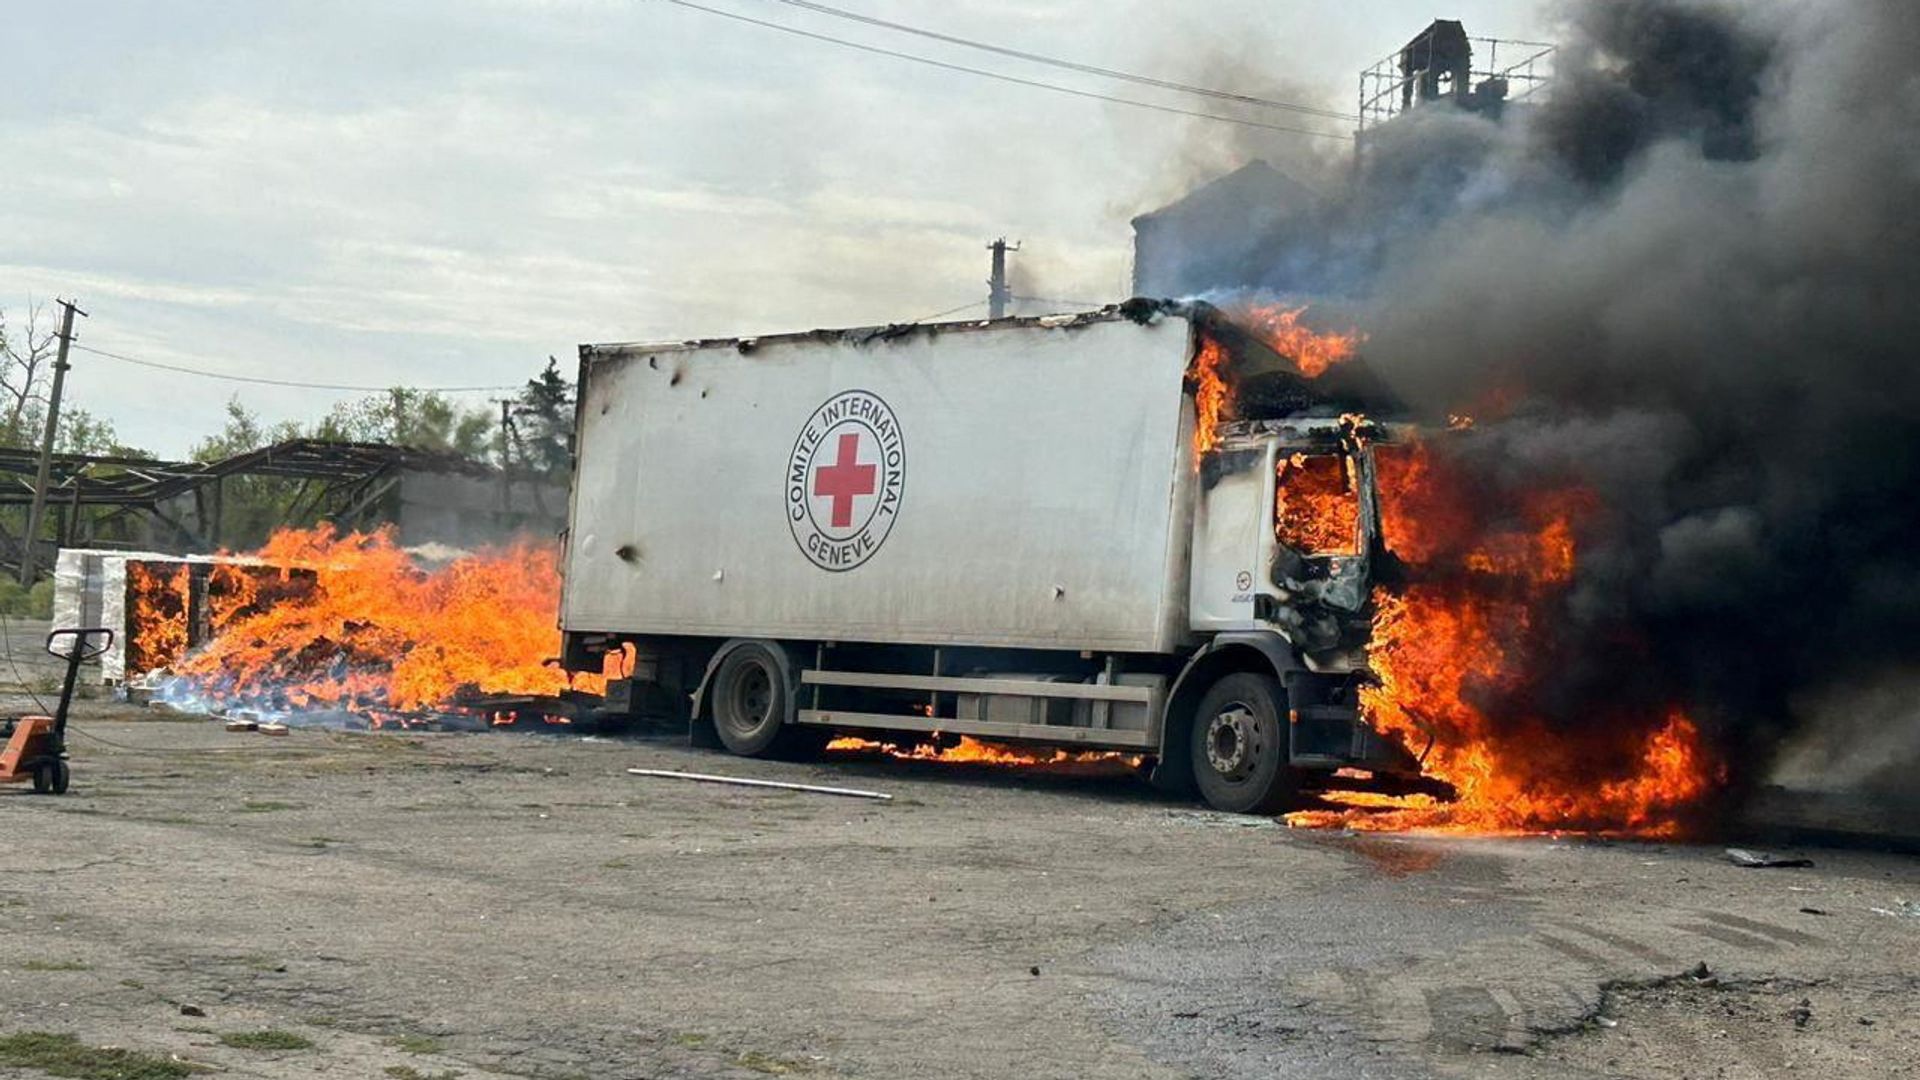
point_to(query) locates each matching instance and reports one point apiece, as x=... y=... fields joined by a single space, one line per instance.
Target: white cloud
x=445 y=192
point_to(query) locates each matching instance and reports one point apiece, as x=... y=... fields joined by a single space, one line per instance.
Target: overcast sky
x=445 y=192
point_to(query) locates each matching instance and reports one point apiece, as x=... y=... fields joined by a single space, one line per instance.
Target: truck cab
x=1286 y=537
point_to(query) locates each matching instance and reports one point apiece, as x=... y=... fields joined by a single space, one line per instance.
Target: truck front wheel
x=1239 y=746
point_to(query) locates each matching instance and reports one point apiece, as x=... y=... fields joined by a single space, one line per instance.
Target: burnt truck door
x=1232 y=536
x=1325 y=519
x=1326 y=525
x=1284 y=522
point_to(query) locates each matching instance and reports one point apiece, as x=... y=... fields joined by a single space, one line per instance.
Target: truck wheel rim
x=1233 y=742
x=752 y=698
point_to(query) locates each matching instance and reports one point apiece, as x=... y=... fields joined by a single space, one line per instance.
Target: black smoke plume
x=1697 y=268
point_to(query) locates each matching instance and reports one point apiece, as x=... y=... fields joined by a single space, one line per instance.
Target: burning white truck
x=1022 y=530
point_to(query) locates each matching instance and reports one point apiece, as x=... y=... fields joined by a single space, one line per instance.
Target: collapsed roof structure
x=176 y=506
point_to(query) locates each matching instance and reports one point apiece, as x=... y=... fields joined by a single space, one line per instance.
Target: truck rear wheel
x=1239 y=746
x=751 y=702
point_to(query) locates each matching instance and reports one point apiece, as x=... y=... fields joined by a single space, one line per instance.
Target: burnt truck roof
x=1271 y=385
x=1136 y=310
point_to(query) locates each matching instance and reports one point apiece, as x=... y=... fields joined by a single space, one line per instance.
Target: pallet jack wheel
x=61 y=774
x=42 y=779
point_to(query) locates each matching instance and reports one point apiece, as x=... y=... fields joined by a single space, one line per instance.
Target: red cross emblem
x=845 y=480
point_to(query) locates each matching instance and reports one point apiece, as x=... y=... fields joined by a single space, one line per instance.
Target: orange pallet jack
x=36 y=746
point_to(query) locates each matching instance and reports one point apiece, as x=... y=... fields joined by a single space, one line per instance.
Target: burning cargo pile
x=161 y=607
x=316 y=623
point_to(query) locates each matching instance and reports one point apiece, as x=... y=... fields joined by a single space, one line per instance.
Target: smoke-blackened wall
x=1688 y=282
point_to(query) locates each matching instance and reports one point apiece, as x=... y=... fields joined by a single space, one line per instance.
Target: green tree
x=81 y=432
x=250 y=506
x=543 y=422
x=423 y=420
x=244 y=432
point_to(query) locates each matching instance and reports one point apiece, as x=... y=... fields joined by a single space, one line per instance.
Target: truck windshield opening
x=1316 y=508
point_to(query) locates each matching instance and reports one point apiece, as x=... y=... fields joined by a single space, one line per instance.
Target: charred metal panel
x=1231 y=515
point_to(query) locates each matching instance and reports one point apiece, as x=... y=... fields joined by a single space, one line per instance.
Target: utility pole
x=997 y=291
x=506 y=454
x=44 y=475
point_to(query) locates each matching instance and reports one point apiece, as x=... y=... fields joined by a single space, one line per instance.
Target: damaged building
x=1261 y=228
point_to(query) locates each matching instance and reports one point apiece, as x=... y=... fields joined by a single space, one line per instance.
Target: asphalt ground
x=518 y=905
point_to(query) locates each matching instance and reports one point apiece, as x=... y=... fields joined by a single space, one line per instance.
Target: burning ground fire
x=318 y=621
x=970 y=751
x=1463 y=642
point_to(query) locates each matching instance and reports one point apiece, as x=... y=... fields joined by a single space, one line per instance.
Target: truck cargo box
x=1019 y=483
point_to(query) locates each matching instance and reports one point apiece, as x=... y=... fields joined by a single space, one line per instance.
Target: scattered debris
x=243 y=725
x=1901 y=909
x=1814 y=911
x=1232 y=821
x=192 y=1010
x=273 y=728
x=1802 y=1013
x=1764 y=860
x=709 y=778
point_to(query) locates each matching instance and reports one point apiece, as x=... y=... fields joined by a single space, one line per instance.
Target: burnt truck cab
x=1286 y=538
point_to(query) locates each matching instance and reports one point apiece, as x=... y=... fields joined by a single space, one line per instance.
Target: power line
x=263 y=381
x=1016 y=80
x=1070 y=65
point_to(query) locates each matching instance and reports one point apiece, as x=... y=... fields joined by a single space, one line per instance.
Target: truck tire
x=1239 y=746
x=750 y=702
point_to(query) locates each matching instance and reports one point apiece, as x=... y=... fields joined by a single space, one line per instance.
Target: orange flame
x=972 y=751
x=1280 y=328
x=1209 y=394
x=1456 y=653
x=355 y=623
x=157 y=599
x=1315 y=510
